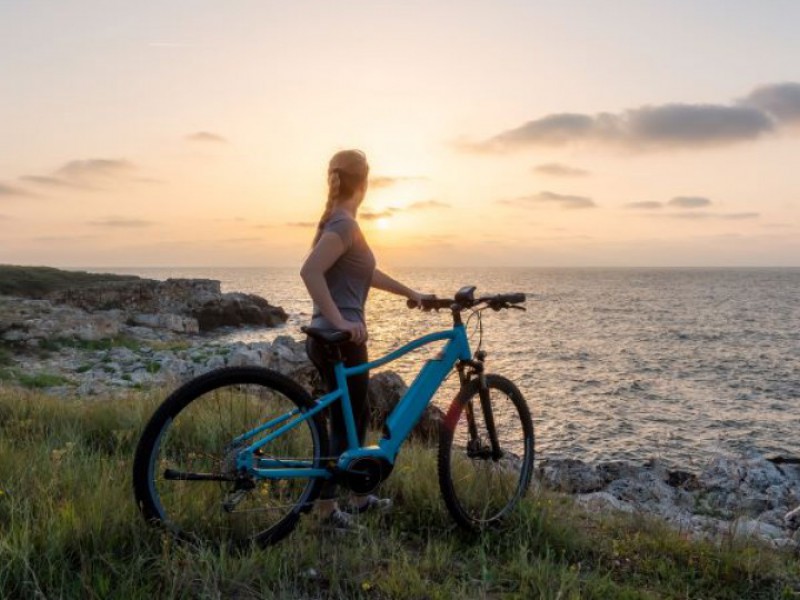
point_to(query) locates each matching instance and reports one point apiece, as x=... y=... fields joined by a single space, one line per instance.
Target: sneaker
x=372 y=503
x=342 y=521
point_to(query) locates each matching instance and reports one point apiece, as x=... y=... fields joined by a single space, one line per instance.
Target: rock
x=783 y=543
x=141 y=296
x=243 y=357
x=141 y=376
x=215 y=362
x=792 y=518
x=649 y=492
x=236 y=310
x=179 y=305
x=176 y=368
x=683 y=480
x=169 y=321
x=142 y=333
x=616 y=469
x=746 y=528
x=123 y=355
x=571 y=476
x=601 y=501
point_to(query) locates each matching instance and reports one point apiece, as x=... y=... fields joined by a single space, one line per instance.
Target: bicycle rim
x=479 y=489
x=198 y=439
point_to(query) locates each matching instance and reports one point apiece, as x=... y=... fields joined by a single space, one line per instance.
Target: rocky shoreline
x=731 y=497
x=130 y=335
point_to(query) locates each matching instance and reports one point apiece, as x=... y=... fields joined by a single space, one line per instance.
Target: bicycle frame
x=399 y=423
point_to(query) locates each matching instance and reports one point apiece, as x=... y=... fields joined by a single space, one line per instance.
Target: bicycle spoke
x=201 y=492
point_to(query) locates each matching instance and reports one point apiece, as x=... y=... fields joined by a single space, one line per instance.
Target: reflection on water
x=615 y=363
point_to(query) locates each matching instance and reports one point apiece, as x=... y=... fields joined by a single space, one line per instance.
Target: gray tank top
x=349 y=278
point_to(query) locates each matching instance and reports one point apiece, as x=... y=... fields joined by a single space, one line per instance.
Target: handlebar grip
x=517 y=298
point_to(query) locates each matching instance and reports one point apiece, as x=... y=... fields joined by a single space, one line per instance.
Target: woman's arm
x=326 y=252
x=383 y=282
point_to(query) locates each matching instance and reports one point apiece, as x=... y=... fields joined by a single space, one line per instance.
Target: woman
x=338 y=274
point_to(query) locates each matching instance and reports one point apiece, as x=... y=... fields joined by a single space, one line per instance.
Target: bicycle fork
x=475 y=447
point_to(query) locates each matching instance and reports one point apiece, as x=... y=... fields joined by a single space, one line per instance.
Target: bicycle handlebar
x=495 y=302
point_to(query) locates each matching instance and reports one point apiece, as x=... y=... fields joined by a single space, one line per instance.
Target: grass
x=42 y=380
x=120 y=341
x=35 y=282
x=69 y=529
x=6 y=356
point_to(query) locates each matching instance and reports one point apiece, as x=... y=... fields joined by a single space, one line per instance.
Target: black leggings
x=357 y=386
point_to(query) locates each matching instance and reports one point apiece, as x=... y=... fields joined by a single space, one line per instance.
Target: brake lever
x=517 y=307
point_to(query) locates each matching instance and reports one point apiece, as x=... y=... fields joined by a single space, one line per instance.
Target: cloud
x=559 y=170
x=206 y=136
x=689 y=202
x=781 y=100
x=299 y=224
x=51 y=181
x=646 y=205
x=384 y=181
x=703 y=216
x=423 y=204
x=374 y=216
x=121 y=222
x=93 y=168
x=63 y=238
x=10 y=190
x=89 y=174
x=565 y=201
x=674 y=125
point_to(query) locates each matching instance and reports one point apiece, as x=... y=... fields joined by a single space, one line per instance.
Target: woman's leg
x=357 y=385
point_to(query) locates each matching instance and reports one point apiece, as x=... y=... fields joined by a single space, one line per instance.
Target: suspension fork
x=477 y=368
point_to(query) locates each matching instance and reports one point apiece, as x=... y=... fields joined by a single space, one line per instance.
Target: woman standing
x=338 y=274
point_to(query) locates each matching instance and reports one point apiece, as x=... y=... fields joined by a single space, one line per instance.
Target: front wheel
x=185 y=473
x=486 y=450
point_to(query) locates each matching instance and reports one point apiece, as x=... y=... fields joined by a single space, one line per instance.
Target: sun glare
x=383 y=223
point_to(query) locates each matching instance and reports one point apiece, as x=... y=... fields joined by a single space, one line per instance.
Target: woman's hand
x=418 y=298
x=357 y=330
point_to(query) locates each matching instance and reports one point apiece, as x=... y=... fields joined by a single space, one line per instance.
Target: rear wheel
x=185 y=474
x=485 y=469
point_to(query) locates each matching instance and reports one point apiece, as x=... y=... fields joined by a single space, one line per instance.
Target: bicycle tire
x=181 y=417
x=477 y=505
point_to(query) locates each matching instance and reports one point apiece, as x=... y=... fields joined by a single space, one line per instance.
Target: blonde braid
x=334 y=183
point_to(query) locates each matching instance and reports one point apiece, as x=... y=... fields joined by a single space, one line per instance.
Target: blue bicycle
x=240 y=453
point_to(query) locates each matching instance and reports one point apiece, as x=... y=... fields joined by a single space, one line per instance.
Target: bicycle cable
x=478 y=326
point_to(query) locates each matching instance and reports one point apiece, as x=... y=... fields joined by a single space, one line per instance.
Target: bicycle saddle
x=327 y=336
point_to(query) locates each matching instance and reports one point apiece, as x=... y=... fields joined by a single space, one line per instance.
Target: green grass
x=120 y=341
x=69 y=529
x=41 y=380
x=6 y=356
x=36 y=282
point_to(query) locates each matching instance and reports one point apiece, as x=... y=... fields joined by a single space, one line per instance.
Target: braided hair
x=347 y=171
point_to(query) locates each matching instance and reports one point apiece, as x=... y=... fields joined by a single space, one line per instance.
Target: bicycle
x=208 y=473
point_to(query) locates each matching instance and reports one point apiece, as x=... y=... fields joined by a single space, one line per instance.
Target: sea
x=675 y=364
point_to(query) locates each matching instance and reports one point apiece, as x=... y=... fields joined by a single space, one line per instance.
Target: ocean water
x=677 y=364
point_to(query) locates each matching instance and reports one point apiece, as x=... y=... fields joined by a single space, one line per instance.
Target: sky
x=499 y=133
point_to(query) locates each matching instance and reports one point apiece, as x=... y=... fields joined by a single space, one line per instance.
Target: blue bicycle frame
x=399 y=423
